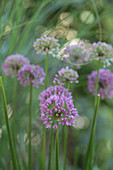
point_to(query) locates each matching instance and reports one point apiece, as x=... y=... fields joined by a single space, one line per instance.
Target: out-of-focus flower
x=58 y=109
x=54 y=90
x=13 y=63
x=31 y=74
x=105 y=83
x=66 y=19
x=87 y=17
x=102 y=50
x=66 y=75
x=46 y=45
x=76 y=54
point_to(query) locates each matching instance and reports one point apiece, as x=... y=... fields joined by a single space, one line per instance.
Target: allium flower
x=105 y=85
x=54 y=90
x=46 y=45
x=31 y=74
x=13 y=63
x=58 y=109
x=66 y=75
x=76 y=54
x=102 y=50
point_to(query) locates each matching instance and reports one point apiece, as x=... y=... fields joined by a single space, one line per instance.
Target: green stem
x=51 y=148
x=11 y=144
x=57 y=149
x=97 y=77
x=65 y=136
x=44 y=148
x=92 y=136
x=30 y=130
x=65 y=145
x=14 y=108
x=44 y=130
x=14 y=94
x=46 y=71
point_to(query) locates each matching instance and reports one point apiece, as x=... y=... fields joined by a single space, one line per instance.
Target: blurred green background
x=21 y=23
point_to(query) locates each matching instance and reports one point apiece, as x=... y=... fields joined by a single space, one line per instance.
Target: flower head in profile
x=105 y=85
x=76 y=54
x=54 y=90
x=13 y=63
x=48 y=45
x=66 y=75
x=58 y=108
x=31 y=74
x=102 y=50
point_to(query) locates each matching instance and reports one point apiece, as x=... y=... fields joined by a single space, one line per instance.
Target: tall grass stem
x=11 y=144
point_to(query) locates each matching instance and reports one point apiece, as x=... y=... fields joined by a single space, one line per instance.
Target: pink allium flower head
x=58 y=108
x=76 y=54
x=105 y=85
x=46 y=45
x=31 y=74
x=102 y=50
x=54 y=90
x=13 y=63
x=66 y=75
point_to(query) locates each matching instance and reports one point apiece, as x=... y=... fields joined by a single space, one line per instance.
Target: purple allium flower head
x=102 y=50
x=31 y=74
x=46 y=45
x=105 y=85
x=54 y=90
x=13 y=63
x=66 y=75
x=58 y=108
x=76 y=54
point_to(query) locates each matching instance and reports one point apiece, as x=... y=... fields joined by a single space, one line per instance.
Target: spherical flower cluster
x=76 y=54
x=58 y=108
x=54 y=90
x=102 y=50
x=13 y=63
x=105 y=85
x=66 y=75
x=31 y=74
x=46 y=45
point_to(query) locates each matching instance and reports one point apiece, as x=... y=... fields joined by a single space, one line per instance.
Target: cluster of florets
x=76 y=54
x=102 y=50
x=66 y=75
x=13 y=63
x=57 y=106
x=54 y=90
x=31 y=74
x=105 y=83
x=48 y=45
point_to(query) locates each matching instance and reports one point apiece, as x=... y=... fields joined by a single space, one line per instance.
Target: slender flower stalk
x=97 y=80
x=65 y=137
x=11 y=144
x=51 y=148
x=65 y=145
x=30 y=130
x=14 y=108
x=57 y=149
x=92 y=136
x=44 y=130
